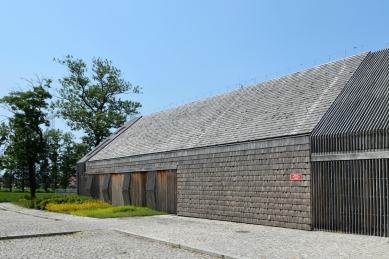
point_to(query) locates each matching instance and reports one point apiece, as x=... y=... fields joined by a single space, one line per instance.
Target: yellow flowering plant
x=66 y=207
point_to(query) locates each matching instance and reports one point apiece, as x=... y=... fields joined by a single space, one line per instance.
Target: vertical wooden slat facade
x=350 y=153
x=351 y=196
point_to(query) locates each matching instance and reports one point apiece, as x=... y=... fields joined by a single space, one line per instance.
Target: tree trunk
x=31 y=176
x=55 y=176
x=22 y=182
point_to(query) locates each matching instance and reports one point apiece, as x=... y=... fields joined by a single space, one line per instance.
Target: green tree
x=21 y=175
x=8 y=165
x=24 y=134
x=47 y=170
x=91 y=103
x=71 y=152
x=8 y=179
x=53 y=138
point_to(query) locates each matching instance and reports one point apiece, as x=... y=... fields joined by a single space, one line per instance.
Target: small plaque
x=296 y=177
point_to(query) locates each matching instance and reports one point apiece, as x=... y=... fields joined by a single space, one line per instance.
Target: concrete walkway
x=206 y=238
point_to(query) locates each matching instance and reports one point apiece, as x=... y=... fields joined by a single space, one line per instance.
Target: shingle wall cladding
x=247 y=182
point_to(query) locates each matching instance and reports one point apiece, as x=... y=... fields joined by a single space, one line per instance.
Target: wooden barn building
x=307 y=150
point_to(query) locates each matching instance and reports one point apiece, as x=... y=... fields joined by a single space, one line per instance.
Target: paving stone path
x=168 y=237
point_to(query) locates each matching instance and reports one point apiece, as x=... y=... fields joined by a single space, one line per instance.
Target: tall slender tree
x=24 y=133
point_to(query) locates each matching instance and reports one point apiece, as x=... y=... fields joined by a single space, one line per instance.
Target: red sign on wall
x=296 y=177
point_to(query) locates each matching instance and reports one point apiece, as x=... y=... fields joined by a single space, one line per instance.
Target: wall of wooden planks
x=245 y=182
x=164 y=191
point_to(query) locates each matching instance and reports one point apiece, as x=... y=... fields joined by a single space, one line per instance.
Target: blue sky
x=178 y=51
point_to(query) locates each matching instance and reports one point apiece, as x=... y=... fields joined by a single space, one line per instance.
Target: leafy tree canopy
x=91 y=102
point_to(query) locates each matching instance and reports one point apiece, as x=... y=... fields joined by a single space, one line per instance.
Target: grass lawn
x=117 y=212
x=14 y=196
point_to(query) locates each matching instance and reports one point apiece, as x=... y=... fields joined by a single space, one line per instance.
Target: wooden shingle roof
x=284 y=106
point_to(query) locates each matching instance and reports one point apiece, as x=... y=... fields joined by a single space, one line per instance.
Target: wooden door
x=117 y=185
x=97 y=184
x=166 y=191
x=138 y=189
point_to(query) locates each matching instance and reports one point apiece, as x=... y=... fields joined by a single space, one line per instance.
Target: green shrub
x=42 y=204
x=72 y=199
x=30 y=204
x=36 y=203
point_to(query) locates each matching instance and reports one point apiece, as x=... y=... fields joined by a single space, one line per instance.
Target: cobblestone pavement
x=91 y=244
x=235 y=240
